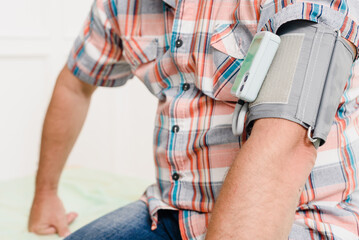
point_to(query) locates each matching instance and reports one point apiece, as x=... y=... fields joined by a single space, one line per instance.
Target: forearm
x=261 y=191
x=64 y=119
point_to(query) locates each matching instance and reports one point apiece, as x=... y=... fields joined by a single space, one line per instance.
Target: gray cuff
x=306 y=79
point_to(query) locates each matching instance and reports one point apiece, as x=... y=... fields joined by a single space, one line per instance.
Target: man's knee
x=124 y=223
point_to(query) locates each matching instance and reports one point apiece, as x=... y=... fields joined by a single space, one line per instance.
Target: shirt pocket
x=139 y=50
x=228 y=54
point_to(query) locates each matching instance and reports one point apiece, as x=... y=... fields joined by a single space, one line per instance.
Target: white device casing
x=259 y=67
x=248 y=89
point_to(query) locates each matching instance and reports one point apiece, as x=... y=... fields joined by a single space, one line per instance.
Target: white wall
x=35 y=38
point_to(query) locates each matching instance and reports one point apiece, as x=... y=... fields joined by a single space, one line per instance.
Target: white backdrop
x=35 y=39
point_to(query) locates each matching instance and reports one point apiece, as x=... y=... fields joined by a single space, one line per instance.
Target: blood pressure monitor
x=255 y=66
x=252 y=74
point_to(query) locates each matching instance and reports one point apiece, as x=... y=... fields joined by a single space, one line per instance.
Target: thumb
x=71 y=216
x=63 y=229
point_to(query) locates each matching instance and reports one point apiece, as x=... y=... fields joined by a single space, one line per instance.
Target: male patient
x=268 y=183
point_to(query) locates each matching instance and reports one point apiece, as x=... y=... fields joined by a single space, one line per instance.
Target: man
x=188 y=53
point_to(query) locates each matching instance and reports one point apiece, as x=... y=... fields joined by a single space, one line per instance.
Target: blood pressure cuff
x=306 y=79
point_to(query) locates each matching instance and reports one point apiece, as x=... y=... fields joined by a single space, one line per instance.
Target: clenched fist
x=48 y=215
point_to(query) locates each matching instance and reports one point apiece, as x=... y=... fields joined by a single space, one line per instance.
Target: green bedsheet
x=91 y=193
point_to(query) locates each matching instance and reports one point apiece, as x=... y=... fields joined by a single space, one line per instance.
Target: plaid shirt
x=187 y=53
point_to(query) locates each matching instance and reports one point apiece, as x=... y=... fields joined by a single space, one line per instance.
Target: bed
x=91 y=193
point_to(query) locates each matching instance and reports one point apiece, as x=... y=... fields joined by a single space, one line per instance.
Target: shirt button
x=175 y=129
x=179 y=43
x=186 y=87
x=175 y=176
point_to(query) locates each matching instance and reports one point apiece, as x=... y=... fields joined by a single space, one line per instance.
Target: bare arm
x=354 y=48
x=261 y=191
x=64 y=119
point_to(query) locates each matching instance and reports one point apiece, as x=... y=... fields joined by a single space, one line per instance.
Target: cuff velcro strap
x=306 y=79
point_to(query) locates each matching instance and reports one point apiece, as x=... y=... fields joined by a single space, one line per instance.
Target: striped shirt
x=187 y=53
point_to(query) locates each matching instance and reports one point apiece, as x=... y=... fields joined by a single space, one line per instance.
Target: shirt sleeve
x=340 y=15
x=96 y=56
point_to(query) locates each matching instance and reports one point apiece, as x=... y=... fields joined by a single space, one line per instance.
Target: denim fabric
x=130 y=222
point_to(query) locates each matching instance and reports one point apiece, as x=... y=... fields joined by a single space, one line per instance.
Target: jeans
x=130 y=222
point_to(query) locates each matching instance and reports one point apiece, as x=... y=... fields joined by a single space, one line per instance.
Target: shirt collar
x=171 y=3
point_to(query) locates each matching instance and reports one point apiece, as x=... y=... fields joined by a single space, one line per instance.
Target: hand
x=48 y=216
